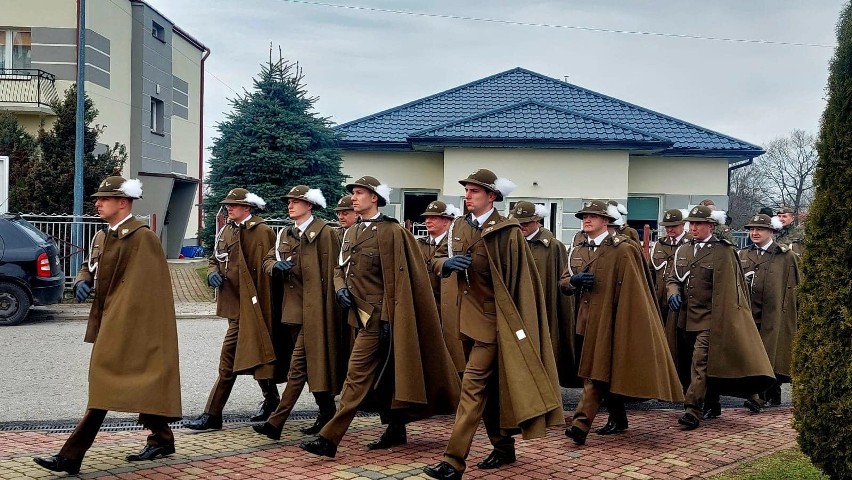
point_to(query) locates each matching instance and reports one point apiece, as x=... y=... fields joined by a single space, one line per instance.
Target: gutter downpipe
x=201 y=148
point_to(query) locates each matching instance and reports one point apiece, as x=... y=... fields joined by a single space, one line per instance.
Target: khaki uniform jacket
x=623 y=340
x=551 y=258
x=716 y=299
x=418 y=370
x=446 y=294
x=134 y=364
x=662 y=262
x=308 y=299
x=513 y=310
x=772 y=279
x=246 y=294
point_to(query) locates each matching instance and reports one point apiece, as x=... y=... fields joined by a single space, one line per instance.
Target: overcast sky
x=359 y=62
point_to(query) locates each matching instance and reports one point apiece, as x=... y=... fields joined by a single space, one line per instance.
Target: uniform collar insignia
x=374 y=228
x=489 y=229
x=546 y=242
x=312 y=234
x=124 y=231
x=492 y=222
x=251 y=224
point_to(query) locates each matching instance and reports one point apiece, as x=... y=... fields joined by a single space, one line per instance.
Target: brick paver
x=654 y=447
x=187 y=286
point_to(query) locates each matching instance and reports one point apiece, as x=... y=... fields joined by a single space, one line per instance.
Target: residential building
x=145 y=77
x=560 y=143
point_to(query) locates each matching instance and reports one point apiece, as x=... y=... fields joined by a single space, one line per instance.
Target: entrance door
x=553 y=222
x=643 y=211
x=414 y=203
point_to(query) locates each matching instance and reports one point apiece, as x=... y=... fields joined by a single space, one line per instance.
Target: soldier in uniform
x=551 y=257
x=624 y=353
x=792 y=236
x=134 y=360
x=621 y=226
x=721 y=229
x=772 y=275
x=399 y=351
x=662 y=261
x=346 y=215
x=243 y=297
x=502 y=323
x=305 y=257
x=438 y=216
x=728 y=357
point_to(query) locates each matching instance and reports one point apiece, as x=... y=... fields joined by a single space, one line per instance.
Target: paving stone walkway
x=653 y=448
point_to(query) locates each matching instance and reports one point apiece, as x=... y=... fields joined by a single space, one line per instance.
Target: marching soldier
x=551 y=257
x=621 y=226
x=721 y=230
x=772 y=275
x=346 y=215
x=399 y=350
x=236 y=271
x=662 y=261
x=134 y=361
x=438 y=216
x=728 y=357
x=792 y=236
x=502 y=323
x=623 y=350
x=305 y=257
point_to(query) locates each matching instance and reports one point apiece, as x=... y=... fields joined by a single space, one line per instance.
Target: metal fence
x=58 y=227
x=27 y=85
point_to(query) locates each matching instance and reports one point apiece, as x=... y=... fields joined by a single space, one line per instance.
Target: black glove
x=215 y=280
x=82 y=290
x=282 y=266
x=459 y=263
x=675 y=302
x=583 y=279
x=384 y=332
x=344 y=298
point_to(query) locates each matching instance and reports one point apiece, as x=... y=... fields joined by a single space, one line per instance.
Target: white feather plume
x=719 y=215
x=621 y=209
x=505 y=186
x=384 y=192
x=776 y=223
x=314 y=195
x=452 y=210
x=132 y=188
x=541 y=211
x=255 y=200
x=613 y=212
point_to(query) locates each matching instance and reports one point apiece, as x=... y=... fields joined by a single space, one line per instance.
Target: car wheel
x=14 y=304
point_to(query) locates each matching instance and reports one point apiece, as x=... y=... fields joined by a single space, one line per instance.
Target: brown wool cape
x=625 y=345
x=530 y=399
x=134 y=363
x=326 y=344
x=446 y=293
x=425 y=381
x=550 y=258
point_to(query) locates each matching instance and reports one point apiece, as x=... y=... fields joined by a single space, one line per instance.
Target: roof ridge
x=638 y=107
x=429 y=97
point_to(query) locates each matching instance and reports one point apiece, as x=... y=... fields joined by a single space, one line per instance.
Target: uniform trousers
x=364 y=363
x=83 y=436
x=696 y=395
x=594 y=393
x=296 y=379
x=479 y=400
x=226 y=379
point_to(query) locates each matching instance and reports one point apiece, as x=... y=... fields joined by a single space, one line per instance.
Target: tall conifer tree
x=822 y=358
x=272 y=141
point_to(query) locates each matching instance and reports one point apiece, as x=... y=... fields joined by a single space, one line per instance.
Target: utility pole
x=77 y=230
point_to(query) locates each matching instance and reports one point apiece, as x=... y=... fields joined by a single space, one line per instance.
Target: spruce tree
x=22 y=150
x=270 y=142
x=822 y=357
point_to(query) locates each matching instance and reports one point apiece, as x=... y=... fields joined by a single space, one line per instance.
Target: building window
x=157 y=116
x=15 y=49
x=158 y=32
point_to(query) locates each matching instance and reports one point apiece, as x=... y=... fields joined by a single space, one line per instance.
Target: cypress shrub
x=822 y=356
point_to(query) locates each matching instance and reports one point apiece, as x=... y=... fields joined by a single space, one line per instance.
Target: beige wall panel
x=44 y=13
x=397 y=169
x=559 y=173
x=678 y=175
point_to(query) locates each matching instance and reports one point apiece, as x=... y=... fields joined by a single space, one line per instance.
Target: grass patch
x=202 y=274
x=785 y=464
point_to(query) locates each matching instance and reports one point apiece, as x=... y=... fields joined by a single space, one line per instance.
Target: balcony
x=27 y=90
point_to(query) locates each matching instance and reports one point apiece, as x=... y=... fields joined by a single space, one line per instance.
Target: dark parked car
x=30 y=272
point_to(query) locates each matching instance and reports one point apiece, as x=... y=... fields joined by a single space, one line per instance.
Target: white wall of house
x=678 y=176
x=423 y=170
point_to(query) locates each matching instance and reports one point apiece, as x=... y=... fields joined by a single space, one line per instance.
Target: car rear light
x=43 y=265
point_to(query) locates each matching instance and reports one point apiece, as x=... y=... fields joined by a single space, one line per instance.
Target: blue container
x=192 y=251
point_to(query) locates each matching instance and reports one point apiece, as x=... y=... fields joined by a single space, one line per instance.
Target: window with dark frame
x=158 y=32
x=157 y=116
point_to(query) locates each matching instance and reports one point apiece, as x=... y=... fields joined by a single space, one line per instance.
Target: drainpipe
x=201 y=147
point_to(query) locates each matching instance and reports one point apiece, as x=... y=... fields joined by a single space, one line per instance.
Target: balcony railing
x=27 y=86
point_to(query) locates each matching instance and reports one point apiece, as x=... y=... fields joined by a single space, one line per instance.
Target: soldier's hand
x=384 y=331
x=82 y=290
x=282 y=266
x=583 y=279
x=215 y=280
x=459 y=263
x=344 y=298
x=675 y=302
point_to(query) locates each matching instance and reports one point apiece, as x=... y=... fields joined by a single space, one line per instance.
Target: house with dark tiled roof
x=560 y=143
